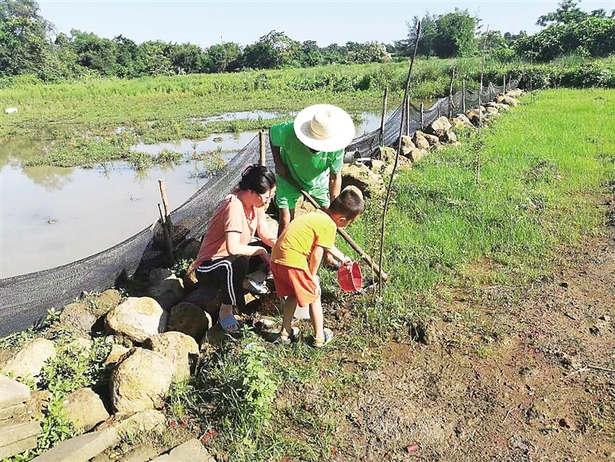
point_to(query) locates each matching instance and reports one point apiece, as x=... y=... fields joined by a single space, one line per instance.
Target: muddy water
x=50 y=216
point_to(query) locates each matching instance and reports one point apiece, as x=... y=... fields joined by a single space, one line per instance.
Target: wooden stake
x=263 y=157
x=165 y=221
x=450 y=94
x=167 y=237
x=384 y=111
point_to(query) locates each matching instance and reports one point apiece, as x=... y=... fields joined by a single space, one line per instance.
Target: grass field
x=541 y=167
x=507 y=197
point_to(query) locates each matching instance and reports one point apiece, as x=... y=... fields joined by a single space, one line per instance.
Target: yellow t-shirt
x=303 y=234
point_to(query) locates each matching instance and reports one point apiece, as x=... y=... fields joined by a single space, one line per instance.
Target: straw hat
x=324 y=127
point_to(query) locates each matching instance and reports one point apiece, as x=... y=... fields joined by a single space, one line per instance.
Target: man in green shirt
x=308 y=153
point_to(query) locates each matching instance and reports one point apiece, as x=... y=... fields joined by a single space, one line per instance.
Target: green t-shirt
x=310 y=170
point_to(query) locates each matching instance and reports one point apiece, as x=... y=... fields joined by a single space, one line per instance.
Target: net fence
x=25 y=299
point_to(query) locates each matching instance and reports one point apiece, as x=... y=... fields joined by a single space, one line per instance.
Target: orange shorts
x=294 y=281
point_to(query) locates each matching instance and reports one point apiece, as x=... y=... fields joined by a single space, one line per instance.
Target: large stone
x=363 y=178
x=191 y=450
x=12 y=392
x=205 y=297
x=439 y=126
x=190 y=319
x=84 y=409
x=419 y=140
x=85 y=447
x=11 y=412
x=141 y=381
x=80 y=448
x=461 y=121
x=78 y=317
x=136 y=318
x=30 y=359
x=117 y=351
x=10 y=434
x=507 y=100
x=177 y=348
x=10 y=450
x=167 y=292
x=106 y=301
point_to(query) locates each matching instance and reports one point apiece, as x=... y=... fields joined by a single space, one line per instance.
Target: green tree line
x=30 y=45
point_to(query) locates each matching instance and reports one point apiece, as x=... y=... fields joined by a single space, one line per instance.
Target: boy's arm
x=315 y=259
x=338 y=255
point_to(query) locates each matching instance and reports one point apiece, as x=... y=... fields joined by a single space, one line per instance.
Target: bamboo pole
x=165 y=220
x=398 y=153
x=463 y=96
x=263 y=148
x=450 y=94
x=384 y=111
x=422 y=116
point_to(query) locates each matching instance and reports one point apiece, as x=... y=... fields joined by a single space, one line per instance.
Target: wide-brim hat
x=324 y=127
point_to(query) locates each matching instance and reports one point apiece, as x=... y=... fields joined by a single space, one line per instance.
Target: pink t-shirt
x=229 y=216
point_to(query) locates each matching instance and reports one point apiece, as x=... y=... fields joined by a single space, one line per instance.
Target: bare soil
x=498 y=374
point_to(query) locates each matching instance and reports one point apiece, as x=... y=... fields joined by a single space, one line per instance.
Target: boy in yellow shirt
x=297 y=254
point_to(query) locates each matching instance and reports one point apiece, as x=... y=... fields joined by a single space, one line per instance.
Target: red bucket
x=351 y=279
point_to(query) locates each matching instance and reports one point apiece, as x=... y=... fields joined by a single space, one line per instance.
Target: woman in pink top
x=222 y=260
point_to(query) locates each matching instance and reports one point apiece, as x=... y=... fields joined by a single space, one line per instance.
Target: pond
x=50 y=216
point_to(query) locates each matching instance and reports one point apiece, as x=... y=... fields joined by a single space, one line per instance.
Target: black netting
x=25 y=299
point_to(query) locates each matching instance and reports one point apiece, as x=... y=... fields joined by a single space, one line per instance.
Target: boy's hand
x=347 y=262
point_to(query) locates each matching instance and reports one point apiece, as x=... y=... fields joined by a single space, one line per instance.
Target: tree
x=24 y=44
x=130 y=61
x=222 y=57
x=566 y=13
x=272 y=51
x=368 y=52
x=310 y=54
x=94 y=52
x=455 y=35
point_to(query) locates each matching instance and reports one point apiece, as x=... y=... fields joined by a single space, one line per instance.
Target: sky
x=206 y=23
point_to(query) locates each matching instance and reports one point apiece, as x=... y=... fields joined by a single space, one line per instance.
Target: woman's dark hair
x=257 y=178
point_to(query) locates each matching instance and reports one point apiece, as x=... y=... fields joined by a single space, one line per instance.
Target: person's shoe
x=286 y=339
x=321 y=342
x=257 y=289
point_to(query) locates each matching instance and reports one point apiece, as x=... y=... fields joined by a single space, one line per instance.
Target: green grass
x=542 y=168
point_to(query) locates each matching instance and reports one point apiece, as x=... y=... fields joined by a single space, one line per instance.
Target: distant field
x=87 y=122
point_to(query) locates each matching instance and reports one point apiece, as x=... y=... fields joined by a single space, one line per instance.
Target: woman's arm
x=265 y=233
x=235 y=247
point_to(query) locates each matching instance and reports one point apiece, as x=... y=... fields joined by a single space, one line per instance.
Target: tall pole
x=382 y=117
x=388 y=192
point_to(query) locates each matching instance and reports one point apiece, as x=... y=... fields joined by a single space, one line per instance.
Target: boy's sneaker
x=257 y=289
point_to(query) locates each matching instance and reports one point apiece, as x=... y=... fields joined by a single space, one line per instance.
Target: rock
x=448 y=137
x=190 y=319
x=102 y=304
x=491 y=111
x=416 y=155
x=30 y=359
x=167 y=292
x=420 y=141
x=157 y=275
x=11 y=412
x=79 y=317
x=514 y=93
x=433 y=140
x=84 y=409
x=17 y=437
x=461 y=121
x=177 y=348
x=136 y=318
x=191 y=450
x=141 y=381
x=439 y=126
x=12 y=392
x=363 y=178
x=117 y=351
x=206 y=298
x=507 y=100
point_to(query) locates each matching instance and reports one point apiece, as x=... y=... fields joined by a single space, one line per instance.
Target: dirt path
x=498 y=375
